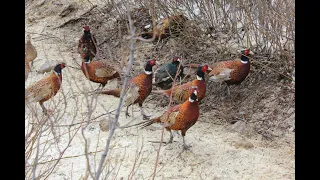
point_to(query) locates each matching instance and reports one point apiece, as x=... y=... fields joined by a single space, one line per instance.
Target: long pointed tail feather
x=163 y=92
x=143 y=124
x=113 y=92
x=192 y=65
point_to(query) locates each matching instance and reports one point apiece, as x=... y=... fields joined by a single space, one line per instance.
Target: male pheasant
x=99 y=71
x=138 y=90
x=172 y=25
x=180 y=117
x=87 y=43
x=230 y=71
x=182 y=92
x=26 y=68
x=46 y=88
x=164 y=75
x=30 y=50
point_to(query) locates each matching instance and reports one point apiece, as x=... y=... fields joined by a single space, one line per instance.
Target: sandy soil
x=218 y=151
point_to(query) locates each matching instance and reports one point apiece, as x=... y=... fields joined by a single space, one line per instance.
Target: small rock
x=40 y=3
x=243 y=144
x=239 y=126
x=104 y=125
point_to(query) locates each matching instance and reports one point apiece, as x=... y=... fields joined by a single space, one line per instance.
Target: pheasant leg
x=185 y=146
x=171 y=137
x=98 y=89
x=127 y=113
x=45 y=111
x=145 y=117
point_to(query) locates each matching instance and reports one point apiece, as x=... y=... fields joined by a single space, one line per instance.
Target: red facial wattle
x=204 y=68
x=63 y=65
x=246 y=52
x=152 y=62
x=86 y=28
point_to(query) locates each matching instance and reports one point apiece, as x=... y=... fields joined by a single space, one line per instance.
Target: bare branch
x=124 y=87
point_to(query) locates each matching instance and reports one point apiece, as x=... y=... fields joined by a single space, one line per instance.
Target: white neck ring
x=199 y=78
x=147 y=72
x=244 y=62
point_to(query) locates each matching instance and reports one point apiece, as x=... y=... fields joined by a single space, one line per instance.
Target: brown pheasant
x=231 y=71
x=87 y=43
x=26 y=68
x=46 y=88
x=99 y=71
x=138 y=90
x=180 y=117
x=182 y=92
x=30 y=50
x=172 y=25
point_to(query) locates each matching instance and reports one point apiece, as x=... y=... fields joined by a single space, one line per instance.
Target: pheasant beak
x=157 y=65
x=179 y=59
x=209 y=69
x=250 y=52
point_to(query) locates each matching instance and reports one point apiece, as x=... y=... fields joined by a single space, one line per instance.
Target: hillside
x=248 y=134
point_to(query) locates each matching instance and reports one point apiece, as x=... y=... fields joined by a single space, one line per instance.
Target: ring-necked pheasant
x=182 y=92
x=172 y=25
x=99 y=71
x=30 y=50
x=87 y=43
x=46 y=88
x=230 y=71
x=26 y=68
x=180 y=117
x=138 y=90
x=164 y=75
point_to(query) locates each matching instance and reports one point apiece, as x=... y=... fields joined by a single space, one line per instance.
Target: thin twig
x=124 y=86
